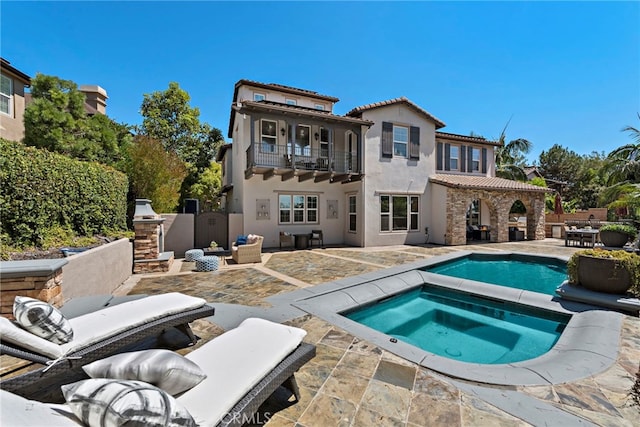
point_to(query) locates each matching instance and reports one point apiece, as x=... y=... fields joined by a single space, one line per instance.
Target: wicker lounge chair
x=100 y=334
x=244 y=367
x=250 y=252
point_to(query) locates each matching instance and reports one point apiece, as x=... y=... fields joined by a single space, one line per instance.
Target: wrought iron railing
x=305 y=158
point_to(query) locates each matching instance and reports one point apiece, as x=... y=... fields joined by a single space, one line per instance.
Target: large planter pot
x=613 y=239
x=603 y=275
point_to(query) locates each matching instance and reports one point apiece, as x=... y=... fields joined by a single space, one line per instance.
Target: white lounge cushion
x=98 y=325
x=234 y=362
x=14 y=334
x=93 y=327
x=114 y=403
x=164 y=369
x=42 y=319
x=16 y=411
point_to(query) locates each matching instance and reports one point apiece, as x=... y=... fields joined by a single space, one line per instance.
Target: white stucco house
x=379 y=175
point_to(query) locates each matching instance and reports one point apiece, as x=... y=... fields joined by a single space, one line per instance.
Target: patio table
x=586 y=238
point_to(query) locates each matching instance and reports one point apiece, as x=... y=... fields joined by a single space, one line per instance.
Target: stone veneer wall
x=499 y=203
x=145 y=245
x=43 y=282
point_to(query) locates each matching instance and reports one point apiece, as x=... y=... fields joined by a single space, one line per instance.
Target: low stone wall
x=98 y=271
x=40 y=279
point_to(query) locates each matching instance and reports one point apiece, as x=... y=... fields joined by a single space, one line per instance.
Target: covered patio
x=498 y=195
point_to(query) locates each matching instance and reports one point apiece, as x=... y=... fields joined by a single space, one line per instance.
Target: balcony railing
x=302 y=158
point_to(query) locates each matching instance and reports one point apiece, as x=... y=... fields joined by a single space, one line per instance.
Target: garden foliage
x=44 y=192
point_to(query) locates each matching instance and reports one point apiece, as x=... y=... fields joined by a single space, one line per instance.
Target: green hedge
x=42 y=191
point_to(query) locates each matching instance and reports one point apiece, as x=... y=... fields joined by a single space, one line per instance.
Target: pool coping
x=588 y=346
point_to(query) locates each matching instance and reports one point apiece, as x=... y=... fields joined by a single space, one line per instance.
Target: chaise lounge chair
x=96 y=335
x=244 y=367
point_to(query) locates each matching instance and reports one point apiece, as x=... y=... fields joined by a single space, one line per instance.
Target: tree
x=56 y=120
x=168 y=118
x=155 y=174
x=623 y=163
x=510 y=157
x=208 y=186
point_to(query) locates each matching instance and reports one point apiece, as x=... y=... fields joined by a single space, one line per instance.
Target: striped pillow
x=164 y=369
x=107 y=403
x=42 y=319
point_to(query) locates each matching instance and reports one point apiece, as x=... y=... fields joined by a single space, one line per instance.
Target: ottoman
x=207 y=263
x=193 y=254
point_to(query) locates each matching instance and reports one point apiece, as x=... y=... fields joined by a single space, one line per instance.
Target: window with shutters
x=6 y=95
x=400 y=141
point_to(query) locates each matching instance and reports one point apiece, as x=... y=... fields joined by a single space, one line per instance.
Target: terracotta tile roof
x=357 y=112
x=281 y=108
x=283 y=88
x=465 y=138
x=484 y=183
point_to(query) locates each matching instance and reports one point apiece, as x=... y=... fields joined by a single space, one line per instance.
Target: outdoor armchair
x=250 y=252
x=286 y=238
x=316 y=235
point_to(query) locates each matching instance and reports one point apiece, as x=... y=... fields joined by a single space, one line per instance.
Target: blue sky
x=565 y=73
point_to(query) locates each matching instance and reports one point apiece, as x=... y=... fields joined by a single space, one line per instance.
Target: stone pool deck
x=351 y=382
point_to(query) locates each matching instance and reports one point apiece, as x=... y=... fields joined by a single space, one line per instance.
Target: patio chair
x=286 y=238
x=316 y=235
x=96 y=335
x=244 y=366
x=250 y=252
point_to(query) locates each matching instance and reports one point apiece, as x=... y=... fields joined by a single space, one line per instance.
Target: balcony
x=303 y=163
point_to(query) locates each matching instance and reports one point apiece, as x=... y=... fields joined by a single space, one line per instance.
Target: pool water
x=464 y=327
x=531 y=273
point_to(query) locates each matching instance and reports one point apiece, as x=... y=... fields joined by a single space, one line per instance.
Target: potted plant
x=617 y=235
x=213 y=245
x=613 y=272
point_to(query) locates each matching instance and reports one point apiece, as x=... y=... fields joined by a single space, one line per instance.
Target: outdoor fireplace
x=148 y=245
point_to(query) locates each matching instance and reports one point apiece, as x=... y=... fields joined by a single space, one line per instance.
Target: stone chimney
x=96 y=97
x=148 y=245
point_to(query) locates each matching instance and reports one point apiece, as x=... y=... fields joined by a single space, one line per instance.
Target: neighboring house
x=554 y=184
x=377 y=176
x=12 y=101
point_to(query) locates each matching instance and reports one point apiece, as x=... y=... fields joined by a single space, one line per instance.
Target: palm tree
x=623 y=163
x=510 y=157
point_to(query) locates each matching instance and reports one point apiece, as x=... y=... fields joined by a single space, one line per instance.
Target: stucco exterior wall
x=246 y=92
x=98 y=271
x=235 y=228
x=178 y=233
x=396 y=176
x=12 y=126
x=438 y=227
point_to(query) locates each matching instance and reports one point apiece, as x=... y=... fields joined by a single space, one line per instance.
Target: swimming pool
x=464 y=327
x=527 y=272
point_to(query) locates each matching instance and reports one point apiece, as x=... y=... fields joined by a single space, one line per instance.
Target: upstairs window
x=259 y=96
x=454 y=156
x=6 y=94
x=400 y=141
x=324 y=142
x=290 y=101
x=269 y=137
x=319 y=107
x=475 y=160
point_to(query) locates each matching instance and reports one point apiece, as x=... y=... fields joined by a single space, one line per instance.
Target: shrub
x=621 y=228
x=629 y=260
x=47 y=196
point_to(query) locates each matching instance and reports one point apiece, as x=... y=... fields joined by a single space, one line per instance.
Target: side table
x=220 y=252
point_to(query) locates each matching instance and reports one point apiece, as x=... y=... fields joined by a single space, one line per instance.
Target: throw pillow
x=164 y=369
x=315 y=236
x=252 y=238
x=113 y=403
x=42 y=319
x=241 y=240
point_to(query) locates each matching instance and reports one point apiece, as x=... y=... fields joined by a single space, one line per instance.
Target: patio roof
x=484 y=183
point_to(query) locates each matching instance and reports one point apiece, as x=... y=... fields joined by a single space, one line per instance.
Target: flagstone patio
x=354 y=383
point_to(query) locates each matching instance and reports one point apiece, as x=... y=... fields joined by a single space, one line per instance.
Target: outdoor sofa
x=244 y=366
x=97 y=335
